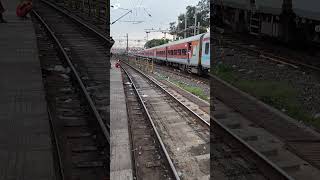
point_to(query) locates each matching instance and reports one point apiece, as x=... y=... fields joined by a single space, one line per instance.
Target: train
x=284 y=20
x=191 y=54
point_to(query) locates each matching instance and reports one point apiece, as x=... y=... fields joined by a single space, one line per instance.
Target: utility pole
x=177 y=30
x=198 y=27
x=127 y=44
x=147 y=35
x=127 y=47
x=195 y=23
x=185 y=25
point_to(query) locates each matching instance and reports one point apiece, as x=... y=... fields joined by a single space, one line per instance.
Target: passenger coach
x=190 y=54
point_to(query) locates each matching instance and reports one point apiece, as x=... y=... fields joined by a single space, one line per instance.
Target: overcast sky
x=162 y=13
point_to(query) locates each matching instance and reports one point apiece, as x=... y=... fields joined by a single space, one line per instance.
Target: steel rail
x=268 y=165
x=77 y=20
x=171 y=96
x=95 y=112
x=257 y=156
x=269 y=168
x=274 y=58
x=204 y=80
x=55 y=139
x=153 y=126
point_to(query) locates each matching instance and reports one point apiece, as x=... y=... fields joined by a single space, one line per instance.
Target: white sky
x=162 y=11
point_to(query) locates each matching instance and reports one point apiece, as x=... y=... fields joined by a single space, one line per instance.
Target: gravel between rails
x=253 y=68
x=171 y=75
x=186 y=139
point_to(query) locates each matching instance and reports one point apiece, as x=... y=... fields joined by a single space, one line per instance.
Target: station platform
x=26 y=150
x=121 y=161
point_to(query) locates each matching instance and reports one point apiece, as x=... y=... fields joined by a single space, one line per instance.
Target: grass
x=278 y=94
x=194 y=90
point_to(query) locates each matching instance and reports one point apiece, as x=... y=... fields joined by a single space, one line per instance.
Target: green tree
x=155 y=42
x=203 y=16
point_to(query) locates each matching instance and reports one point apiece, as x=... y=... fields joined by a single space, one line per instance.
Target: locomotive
x=285 y=20
x=190 y=54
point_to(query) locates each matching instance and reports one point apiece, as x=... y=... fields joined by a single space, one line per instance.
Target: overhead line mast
x=164 y=31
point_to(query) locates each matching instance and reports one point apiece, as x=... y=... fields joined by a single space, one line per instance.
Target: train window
x=175 y=52
x=184 y=52
x=206 y=51
x=179 y=52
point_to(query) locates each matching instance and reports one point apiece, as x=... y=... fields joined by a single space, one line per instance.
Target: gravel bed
x=247 y=67
x=171 y=76
x=304 y=54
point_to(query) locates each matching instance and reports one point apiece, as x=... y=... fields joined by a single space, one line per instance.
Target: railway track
x=184 y=134
x=267 y=54
x=166 y=75
x=296 y=137
x=150 y=156
x=233 y=158
x=82 y=11
x=258 y=136
x=200 y=79
x=76 y=92
x=289 y=145
x=96 y=97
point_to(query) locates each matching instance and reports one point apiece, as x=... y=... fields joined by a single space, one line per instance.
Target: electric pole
x=127 y=47
x=195 y=22
x=127 y=44
x=185 y=25
x=177 y=30
x=147 y=35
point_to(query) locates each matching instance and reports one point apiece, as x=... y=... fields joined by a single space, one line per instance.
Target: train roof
x=309 y=9
x=206 y=35
x=192 y=38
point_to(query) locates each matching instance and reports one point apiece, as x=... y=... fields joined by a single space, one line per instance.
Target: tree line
x=202 y=9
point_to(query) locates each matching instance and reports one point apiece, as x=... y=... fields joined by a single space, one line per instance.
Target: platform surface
x=25 y=140
x=121 y=165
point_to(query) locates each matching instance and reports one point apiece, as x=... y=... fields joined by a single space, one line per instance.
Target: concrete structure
x=25 y=139
x=121 y=165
